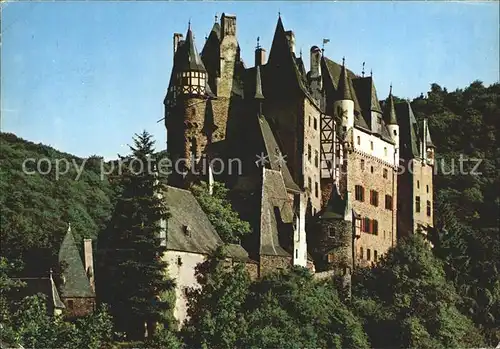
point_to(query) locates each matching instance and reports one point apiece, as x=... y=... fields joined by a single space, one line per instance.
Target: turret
x=344 y=104
x=390 y=119
x=315 y=72
x=260 y=54
x=191 y=75
x=428 y=147
x=187 y=115
x=259 y=97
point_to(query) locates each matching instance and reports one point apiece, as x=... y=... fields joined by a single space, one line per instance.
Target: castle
x=357 y=173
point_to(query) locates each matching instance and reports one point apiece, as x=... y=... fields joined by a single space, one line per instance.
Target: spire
x=390 y=110
x=363 y=70
x=343 y=89
x=336 y=206
x=427 y=135
x=190 y=59
x=258 y=84
x=77 y=283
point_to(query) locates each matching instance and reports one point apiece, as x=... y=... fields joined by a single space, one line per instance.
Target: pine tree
x=138 y=278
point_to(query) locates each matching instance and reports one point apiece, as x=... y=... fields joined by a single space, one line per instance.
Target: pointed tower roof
x=189 y=59
x=427 y=134
x=367 y=94
x=336 y=206
x=343 y=90
x=408 y=131
x=281 y=56
x=76 y=283
x=390 y=110
x=258 y=84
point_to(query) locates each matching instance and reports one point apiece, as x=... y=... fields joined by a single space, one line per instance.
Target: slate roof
x=76 y=283
x=210 y=55
x=428 y=139
x=408 y=140
x=43 y=285
x=334 y=71
x=367 y=94
x=270 y=148
x=188 y=57
x=344 y=89
x=274 y=199
x=201 y=236
x=280 y=43
x=336 y=206
x=258 y=84
x=390 y=117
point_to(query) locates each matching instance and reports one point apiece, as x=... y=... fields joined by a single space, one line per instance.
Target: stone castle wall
x=78 y=307
x=370 y=176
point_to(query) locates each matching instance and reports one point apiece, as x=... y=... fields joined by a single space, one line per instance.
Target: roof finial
x=216 y=18
x=279 y=14
x=363 y=71
x=390 y=90
x=343 y=61
x=371 y=72
x=189 y=24
x=258 y=42
x=300 y=53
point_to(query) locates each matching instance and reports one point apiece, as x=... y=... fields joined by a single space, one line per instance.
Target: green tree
x=406 y=301
x=220 y=212
x=292 y=310
x=216 y=308
x=36 y=206
x=133 y=247
x=32 y=327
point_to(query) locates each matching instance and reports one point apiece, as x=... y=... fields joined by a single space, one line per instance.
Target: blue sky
x=83 y=77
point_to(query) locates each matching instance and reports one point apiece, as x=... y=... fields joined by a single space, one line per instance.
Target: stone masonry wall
x=78 y=307
x=271 y=264
x=338 y=245
x=228 y=53
x=371 y=178
x=423 y=188
x=311 y=168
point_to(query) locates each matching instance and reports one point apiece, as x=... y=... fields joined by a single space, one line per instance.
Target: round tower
x=344 y=104
x=186 y=134
x=391 y=120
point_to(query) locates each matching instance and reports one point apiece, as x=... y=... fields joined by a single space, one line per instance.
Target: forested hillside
x=466 y=123
x=36 y=207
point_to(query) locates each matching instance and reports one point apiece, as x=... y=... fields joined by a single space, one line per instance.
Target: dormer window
x=187 y=230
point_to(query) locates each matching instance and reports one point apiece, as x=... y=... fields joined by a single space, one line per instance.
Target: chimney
x=291 y=40
x=260 y=56
x=228 y=23
x=315 y=62
x=177 y=39
x=89 y=261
